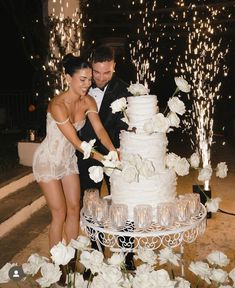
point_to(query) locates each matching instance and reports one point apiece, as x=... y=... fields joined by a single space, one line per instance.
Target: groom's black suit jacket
x=113 y=124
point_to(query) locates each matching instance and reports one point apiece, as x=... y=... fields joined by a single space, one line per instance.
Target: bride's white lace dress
x=55 y=157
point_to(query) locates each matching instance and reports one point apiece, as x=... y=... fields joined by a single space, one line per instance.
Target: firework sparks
x=202 y=66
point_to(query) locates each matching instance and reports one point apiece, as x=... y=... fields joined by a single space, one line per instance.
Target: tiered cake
x=142 y=154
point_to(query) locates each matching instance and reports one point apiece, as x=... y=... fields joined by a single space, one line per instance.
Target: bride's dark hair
x=73 y=63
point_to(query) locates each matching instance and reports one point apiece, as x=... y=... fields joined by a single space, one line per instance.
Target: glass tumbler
x=91 y=196
x=194 y=203
x=143 y=216
x=165 y=214
x=182 y=209
x=100 y=211
x=118 y=215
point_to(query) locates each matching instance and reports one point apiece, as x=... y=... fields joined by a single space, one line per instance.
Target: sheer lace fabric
x=55 y=157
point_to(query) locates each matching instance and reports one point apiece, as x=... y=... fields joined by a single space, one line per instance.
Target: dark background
x=22 y=73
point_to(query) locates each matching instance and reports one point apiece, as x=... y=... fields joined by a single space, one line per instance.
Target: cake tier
x=153 y=190
x=141 y=109
x=149 y=146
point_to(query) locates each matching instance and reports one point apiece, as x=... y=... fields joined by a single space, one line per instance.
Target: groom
x=106 y=88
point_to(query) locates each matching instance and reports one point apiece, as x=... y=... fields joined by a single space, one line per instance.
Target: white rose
x=218 y=258
x=92 y=261
x=98 y=282
x=144 y=268
x=118 y=105
x=130 y=173
x=135 y=160
x=96 y=173
x=161 y=279
x=194 y=160
x=182 y=84
x=221 y=170
x=174 y=119
x=116 y=259
x=138 y=89
x=205 y=173
x=171 y=159
x=81 y=243
x=232 y=275
x=148 y=127
x=181 y=166
x=79 y=280
x=219 y=275
x=160 y=123
x=212 y=205
x=143 y=281
x=176 y=105
x=50 y=274
x=201 y=269
x=34 y=263
x=182 y=283
x=146 y=255
x=87 y=147
x=62 y=254
x=167 y=255
x=147 y=169
x=112 y=275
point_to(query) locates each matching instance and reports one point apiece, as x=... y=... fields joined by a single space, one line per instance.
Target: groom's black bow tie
x=93 y=85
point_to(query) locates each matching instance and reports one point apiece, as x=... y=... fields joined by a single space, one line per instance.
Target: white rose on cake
x=174 y=119
x=176 y=105
x=171 y=159
x=130 y=173
x=138 y=89
x=160 y=123
x=181 y=166
x=147 y=169
x=135 y=160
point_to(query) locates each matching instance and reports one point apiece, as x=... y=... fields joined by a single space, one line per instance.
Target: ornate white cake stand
x=129 y=238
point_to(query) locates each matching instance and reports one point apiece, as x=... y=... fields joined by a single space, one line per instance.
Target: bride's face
x=81 y=81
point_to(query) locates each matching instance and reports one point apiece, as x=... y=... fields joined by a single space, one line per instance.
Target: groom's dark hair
x=102 y=54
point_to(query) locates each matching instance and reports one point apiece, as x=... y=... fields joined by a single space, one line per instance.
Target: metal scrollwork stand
x=129 y=238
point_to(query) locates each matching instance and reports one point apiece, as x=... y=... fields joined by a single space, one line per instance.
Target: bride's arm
x=98 y=127
x=60 y=115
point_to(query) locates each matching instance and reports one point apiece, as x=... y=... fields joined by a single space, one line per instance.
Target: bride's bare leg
x=54 y=195
x=71 y=187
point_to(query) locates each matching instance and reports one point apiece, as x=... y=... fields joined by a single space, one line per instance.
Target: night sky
x=17 y=72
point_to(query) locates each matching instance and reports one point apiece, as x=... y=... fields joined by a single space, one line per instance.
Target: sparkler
x=144 y=51
x=202 y=67
x=64 y=37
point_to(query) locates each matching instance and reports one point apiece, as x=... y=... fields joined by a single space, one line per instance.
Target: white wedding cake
x=143 y=177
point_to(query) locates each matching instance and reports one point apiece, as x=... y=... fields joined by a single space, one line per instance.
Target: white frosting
x=148 y=146
x=154 y=190
x=140 y=109
x=161 y=185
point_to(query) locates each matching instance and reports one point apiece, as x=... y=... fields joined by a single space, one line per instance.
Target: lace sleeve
x=91 y=111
